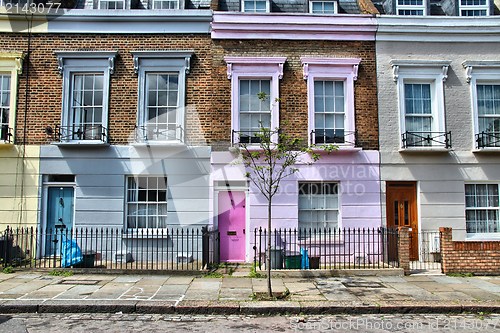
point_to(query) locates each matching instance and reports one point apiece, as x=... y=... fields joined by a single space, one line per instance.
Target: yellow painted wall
x=17 y=207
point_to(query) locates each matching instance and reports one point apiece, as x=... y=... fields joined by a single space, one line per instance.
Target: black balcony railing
x=327 y=248
x=159 y=133
x=333 y=137
x=426 y=139
x=488 y=140
x=6 y=133
x=81 y=132
x=110 y=248
x=245 y=137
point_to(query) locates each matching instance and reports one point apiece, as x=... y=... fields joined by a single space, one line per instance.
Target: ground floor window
x=482 y=208
x=318 y=205
x=146 y=202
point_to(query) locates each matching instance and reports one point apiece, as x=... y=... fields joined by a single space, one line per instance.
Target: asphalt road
x=56 y=323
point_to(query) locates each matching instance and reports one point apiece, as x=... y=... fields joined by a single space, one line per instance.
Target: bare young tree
x=268 y=162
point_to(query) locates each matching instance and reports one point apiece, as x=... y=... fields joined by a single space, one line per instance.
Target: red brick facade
x=45 y=88
x=293 y=88
x=481 y=258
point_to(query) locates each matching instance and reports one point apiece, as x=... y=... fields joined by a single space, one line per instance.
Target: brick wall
x=482 y=258
x=293 y=89
x=45 y=89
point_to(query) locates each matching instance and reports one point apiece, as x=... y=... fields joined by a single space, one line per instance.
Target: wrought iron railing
x=6 y=133
x=426 y=139
x=82 y=132
x=488 y=140
x=327 y=248
x=245 y=137
x=334 y=136
x=111 y=248
x=153 y=132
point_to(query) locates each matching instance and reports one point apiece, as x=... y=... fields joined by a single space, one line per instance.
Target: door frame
x=236 y=187
x=414 y=185
x=44 y=211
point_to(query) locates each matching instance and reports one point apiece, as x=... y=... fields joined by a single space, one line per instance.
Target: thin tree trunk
x=268 y=265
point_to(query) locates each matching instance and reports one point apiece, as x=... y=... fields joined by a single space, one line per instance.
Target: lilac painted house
x=318 y=59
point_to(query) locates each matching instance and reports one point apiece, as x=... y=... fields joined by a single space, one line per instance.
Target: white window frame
x=11 y=64
x=339 y=201
x=84 y=62
x=335 y=6
x=127 y=202
x=332 y=69
x=480 y=72
x=176 y=62
x=422 y=7
x=488 y=235
x=430 y=72
x=241 y=68
x=462 y=8
x=268 y=6
x=101 y=2
x=178 y=4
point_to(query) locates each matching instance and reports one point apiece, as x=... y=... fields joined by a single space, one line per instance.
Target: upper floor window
x=111 y=4
x=5 y=129
x=483 y=77
x=330 y=89
x=411 y=7
x=323 y=7
x=421 y=102
x=10 y=68
x=482 y=209
x=86 y=77
x=254 y=112
x=255 y=6
x=254 y=95
x=474 y=8
x=165 y=4
x=162 y=79
x=146 y=202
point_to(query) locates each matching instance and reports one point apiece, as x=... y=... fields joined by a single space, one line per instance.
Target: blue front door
x=59 y=217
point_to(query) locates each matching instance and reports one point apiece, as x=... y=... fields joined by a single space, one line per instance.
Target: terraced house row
x=129 y=114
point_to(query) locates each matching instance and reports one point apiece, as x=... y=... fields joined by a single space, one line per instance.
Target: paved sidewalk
x=112 y=293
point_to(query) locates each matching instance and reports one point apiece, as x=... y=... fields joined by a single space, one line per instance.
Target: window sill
x=483 y=237
x=342 y=149
x=81 y=143
x=435 y=149
x=6 y=145
x=176 y=143
x=486 y=150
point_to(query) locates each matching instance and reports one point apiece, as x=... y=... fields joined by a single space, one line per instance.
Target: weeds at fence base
x=213 y=275
x=63 y=273
x=460 y=274
x=8 y=270
x=254 y=274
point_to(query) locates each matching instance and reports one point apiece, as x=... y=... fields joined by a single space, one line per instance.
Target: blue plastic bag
x=71 y=254
x=305 y=259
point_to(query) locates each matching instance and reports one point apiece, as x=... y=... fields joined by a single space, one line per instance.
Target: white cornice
x=440 y=65
x=473 y=66
x=163 y=54
x=109 y=56
x=438 y=29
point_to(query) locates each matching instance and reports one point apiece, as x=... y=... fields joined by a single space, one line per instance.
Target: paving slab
x=140 y=292
x=484 y=284
x=127 y=279
x=447 y=279
x=235 y=294
x=179 y=280
x=236 y=283
x=47 y=292
x=433 y=286
x=78 y=292
x=453 y=296
x=392 y=279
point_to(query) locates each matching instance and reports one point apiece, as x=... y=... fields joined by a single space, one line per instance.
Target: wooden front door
x=402 y=211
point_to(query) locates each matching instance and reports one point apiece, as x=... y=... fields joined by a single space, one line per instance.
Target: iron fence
x=83 y=131
x=488 y=140
x=327 y=248
x=111 y=248
x=329 y=136
x=429 y=251
x=158 y=133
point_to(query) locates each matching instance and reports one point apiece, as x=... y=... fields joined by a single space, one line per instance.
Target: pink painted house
x=319 y=72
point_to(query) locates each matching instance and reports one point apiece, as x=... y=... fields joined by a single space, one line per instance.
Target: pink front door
x=232 y=225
